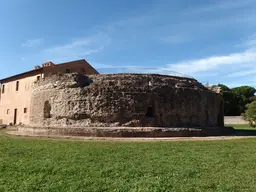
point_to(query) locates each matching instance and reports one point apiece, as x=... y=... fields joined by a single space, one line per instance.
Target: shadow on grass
x=244 y=132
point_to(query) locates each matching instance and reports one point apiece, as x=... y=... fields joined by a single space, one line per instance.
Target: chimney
x=37 y=67
x=48 y=64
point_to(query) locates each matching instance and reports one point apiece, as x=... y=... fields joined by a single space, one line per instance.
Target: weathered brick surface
x=124 y=100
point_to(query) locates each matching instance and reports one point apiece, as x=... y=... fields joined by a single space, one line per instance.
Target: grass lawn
x=241 y=126
x=55 y=165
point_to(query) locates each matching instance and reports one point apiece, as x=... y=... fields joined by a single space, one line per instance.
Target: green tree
x=244 y=94
x=253 y=98
x=223 y=87
x=245 y=91
x=250 y=113
x=235 y=99
x=231 y=103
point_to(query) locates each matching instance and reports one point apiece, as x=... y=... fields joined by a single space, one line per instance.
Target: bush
x=250 y=113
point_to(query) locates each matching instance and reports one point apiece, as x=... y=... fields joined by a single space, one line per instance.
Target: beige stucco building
x=16 y=90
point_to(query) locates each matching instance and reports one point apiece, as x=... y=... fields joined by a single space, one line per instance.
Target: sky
x=212 y=41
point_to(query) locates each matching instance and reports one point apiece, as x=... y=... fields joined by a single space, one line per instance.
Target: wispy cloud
x=77 y=48
x=33 y=43
x=213 y=62
x=234 y=69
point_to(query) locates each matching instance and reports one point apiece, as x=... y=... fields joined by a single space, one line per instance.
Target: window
x=25 y=110
x=7 y=112
x=67 y=70
x=3 y=89
x=17 y=85
x=38 y=77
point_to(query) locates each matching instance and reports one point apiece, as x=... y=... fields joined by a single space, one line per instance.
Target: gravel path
x=14 y=133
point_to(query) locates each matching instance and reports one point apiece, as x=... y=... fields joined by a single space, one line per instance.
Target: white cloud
x=33 y=43
x=213 y=62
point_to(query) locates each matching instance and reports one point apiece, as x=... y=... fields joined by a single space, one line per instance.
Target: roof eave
x=27 y=72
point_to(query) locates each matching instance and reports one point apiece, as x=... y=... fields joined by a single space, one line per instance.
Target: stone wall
x=234 y=120
x=124 y=100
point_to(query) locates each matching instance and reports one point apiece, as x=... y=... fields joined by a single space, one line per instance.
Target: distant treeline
x=237 y=98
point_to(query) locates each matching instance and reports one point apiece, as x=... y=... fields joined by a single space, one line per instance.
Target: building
x=123 y=105
x=16 y=90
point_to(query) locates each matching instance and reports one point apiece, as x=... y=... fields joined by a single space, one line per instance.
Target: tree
x=250 y=113
x=235 y=99
x=245 y=91
x=231 y=103
x=223 y=87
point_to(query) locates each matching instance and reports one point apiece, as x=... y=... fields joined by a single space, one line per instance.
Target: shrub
x=250 y=113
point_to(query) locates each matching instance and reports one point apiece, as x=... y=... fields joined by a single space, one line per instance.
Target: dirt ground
x=13 y=133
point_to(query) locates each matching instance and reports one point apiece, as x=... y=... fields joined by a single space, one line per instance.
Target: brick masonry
x=124 y=100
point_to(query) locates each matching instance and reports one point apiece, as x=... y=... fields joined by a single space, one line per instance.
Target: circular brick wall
x=124 y=100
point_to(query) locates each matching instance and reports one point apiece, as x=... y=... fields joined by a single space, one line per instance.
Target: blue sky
x=213 y=41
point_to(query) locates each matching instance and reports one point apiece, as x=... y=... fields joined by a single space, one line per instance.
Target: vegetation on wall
x=237 y=98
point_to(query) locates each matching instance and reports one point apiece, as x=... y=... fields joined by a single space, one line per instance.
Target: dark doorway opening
x=15 y=117
x=47 y=109
x=150 y=112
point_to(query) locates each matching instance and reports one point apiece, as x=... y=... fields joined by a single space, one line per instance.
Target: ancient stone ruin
x=124 y=105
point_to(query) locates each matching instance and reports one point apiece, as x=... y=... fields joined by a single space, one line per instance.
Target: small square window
x=25 y=110
x=38 y=78
x=68 y=70
x=7 y=112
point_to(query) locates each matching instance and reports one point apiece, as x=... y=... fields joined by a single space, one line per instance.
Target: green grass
x=54 y=165
x=241 y=126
